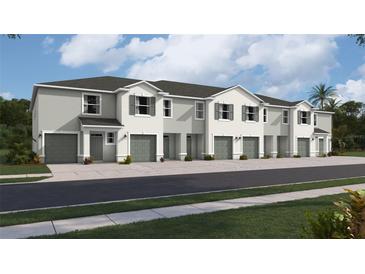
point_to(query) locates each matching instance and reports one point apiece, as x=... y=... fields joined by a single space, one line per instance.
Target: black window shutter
x=243 y=113
x=132 y=104
x=309 y=117
x=231 y=112
x=216 y=111
x=256 y=114
x=299 y=117
x=152 y=106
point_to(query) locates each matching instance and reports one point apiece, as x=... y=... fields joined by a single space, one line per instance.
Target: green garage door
x=143 y=148
x=60 y=148
x=251 y=147
x=321 y=146
x=222 y=147
x=303 y=147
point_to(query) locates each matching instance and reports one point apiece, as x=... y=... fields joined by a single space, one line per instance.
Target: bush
x=35 y=158
x=296 y=156
x=279 y=155
x=209 y=157
x=188 y=158
x=18 y=154
x=88 y=161
x=243 y=157
x=162 y=159
x=266 y=157
x=347 y=221
x=332 y=153
x=323 y=155
x=127 y=161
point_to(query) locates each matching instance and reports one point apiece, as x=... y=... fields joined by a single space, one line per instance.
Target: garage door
x=321 y=146
x=303 y=147
x=60 y=148
x=222 y=147
x=143 y=148
x=251 y=147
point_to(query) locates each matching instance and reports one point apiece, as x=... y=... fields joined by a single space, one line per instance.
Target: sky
x=282 y=66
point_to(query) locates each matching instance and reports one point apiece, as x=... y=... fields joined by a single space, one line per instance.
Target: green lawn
x=3 y=152
x=281 y=220
x=90 y=210
x=354 y=153
x=23 y=169
x=21 y=180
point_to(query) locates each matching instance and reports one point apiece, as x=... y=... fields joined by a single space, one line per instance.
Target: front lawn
x=279 y=221
x=354 y=153
x=23 y=169
x=21 y=180
x=98 y=209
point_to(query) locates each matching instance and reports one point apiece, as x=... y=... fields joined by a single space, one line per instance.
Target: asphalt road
x=31 y=196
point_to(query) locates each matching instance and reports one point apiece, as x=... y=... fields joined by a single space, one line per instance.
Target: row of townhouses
x=108 y=118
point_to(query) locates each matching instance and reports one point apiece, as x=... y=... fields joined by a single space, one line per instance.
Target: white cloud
x=352 y=90
x=7 y=95
x=361 y=70
x=47 y=44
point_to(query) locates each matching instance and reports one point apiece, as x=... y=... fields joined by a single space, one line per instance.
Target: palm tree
x=320 y=94
x=332 y=104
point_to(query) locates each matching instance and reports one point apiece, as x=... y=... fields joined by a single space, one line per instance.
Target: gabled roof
x=275 y=101
x=318 y=130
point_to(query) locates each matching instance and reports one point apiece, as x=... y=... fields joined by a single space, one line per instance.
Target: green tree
x=332 y=104
x=360 y=39
x=320 y=94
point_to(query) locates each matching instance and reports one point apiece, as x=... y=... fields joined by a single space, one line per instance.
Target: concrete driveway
x=71 y=172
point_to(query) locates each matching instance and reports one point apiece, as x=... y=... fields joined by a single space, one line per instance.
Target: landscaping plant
x=188 y=158
x=88 y=161
x=127 y=161
x=18 y=154
x=243 y=157
x=209 y=157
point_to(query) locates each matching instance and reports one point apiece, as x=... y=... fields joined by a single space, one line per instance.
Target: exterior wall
x=109 y=151
x=236 y=127
x=274 y=124
x=324 y=121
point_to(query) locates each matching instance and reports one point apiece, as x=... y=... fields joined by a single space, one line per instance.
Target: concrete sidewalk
x=72 y=172
x=67 y=225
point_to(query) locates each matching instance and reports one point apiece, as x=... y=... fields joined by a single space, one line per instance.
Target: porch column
x=118 y=146
x=86 y=142
x=181 y=146
x=274 y=146
x=261 y=146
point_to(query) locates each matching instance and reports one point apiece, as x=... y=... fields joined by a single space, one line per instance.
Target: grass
x=21 y=180
x=23 y=169
x=90 y=210
x=354 y=153
x=3 y=152
x=280 y=221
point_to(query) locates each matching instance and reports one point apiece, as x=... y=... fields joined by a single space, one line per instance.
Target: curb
x=19 y=176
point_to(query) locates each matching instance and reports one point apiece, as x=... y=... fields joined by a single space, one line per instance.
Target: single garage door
x=303 y=147
x=251 y=147
x=60 y=148
x=143 y=148
x=222 y=147
x=321 y=146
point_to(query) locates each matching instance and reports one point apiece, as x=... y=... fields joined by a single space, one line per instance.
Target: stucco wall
x=274 y=124
x=324 y=121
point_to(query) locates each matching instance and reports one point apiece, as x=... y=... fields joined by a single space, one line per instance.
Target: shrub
x=296 y=156
x=332 y=153
x=279 y=155
x=88 y=161
x=35 y=158
x=209 y=157
x=322 y=155
x=188 y=158
x=162 y=159
x=243 y=157
x=127 y=160
x=266 y=157
x=18 y=154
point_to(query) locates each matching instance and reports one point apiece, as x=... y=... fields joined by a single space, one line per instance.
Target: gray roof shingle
x=318 y=130
x=91 y=121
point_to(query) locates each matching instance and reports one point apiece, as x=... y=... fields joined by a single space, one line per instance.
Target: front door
x=96 y=147
x=166 y=147
x=321 y=146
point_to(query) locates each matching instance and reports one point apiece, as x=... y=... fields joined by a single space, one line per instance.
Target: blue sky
x=284 y=66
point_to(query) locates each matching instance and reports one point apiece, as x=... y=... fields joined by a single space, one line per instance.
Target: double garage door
x=223 y=147
x=143 y=148
x=60 y=148
x=303 y=147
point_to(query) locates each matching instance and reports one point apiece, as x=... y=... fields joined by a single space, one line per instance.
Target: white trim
x=199 y=119
x=282 y=116
x=163 y=108
x=143 y=82
x=305 y=101
x=106 y=138
x=44 y=132
x=82 y=104
x=241 y=87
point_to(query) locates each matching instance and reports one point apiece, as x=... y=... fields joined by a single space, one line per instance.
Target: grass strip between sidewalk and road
x=283 y=220
x=22 y=180
x=40 y=215
x=353 y=153
x=23 y=169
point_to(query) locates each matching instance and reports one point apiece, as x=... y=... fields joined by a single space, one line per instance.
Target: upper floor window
x=91 y=104
x=167 y=108
x=223 y=111
x=199 y=110
x=265 y=115
x=250 y=113
x=110 y=138
x=143 y=105
x=285 y=116
x=304 y=117
x=315 y=119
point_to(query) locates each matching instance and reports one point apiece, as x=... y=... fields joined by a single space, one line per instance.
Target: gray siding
x=183 y=118
x=274 y=125
x=324 y=121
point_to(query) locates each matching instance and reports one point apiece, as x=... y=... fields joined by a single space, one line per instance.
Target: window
x=167 y=109
x=110 y=138
x=265 y=115
x=199 y=110
x=91 y=104
x=285 y=116
x=250 y=113
x=224 y=111
x=304 y=117
x=143 y=105
x=315 y=119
